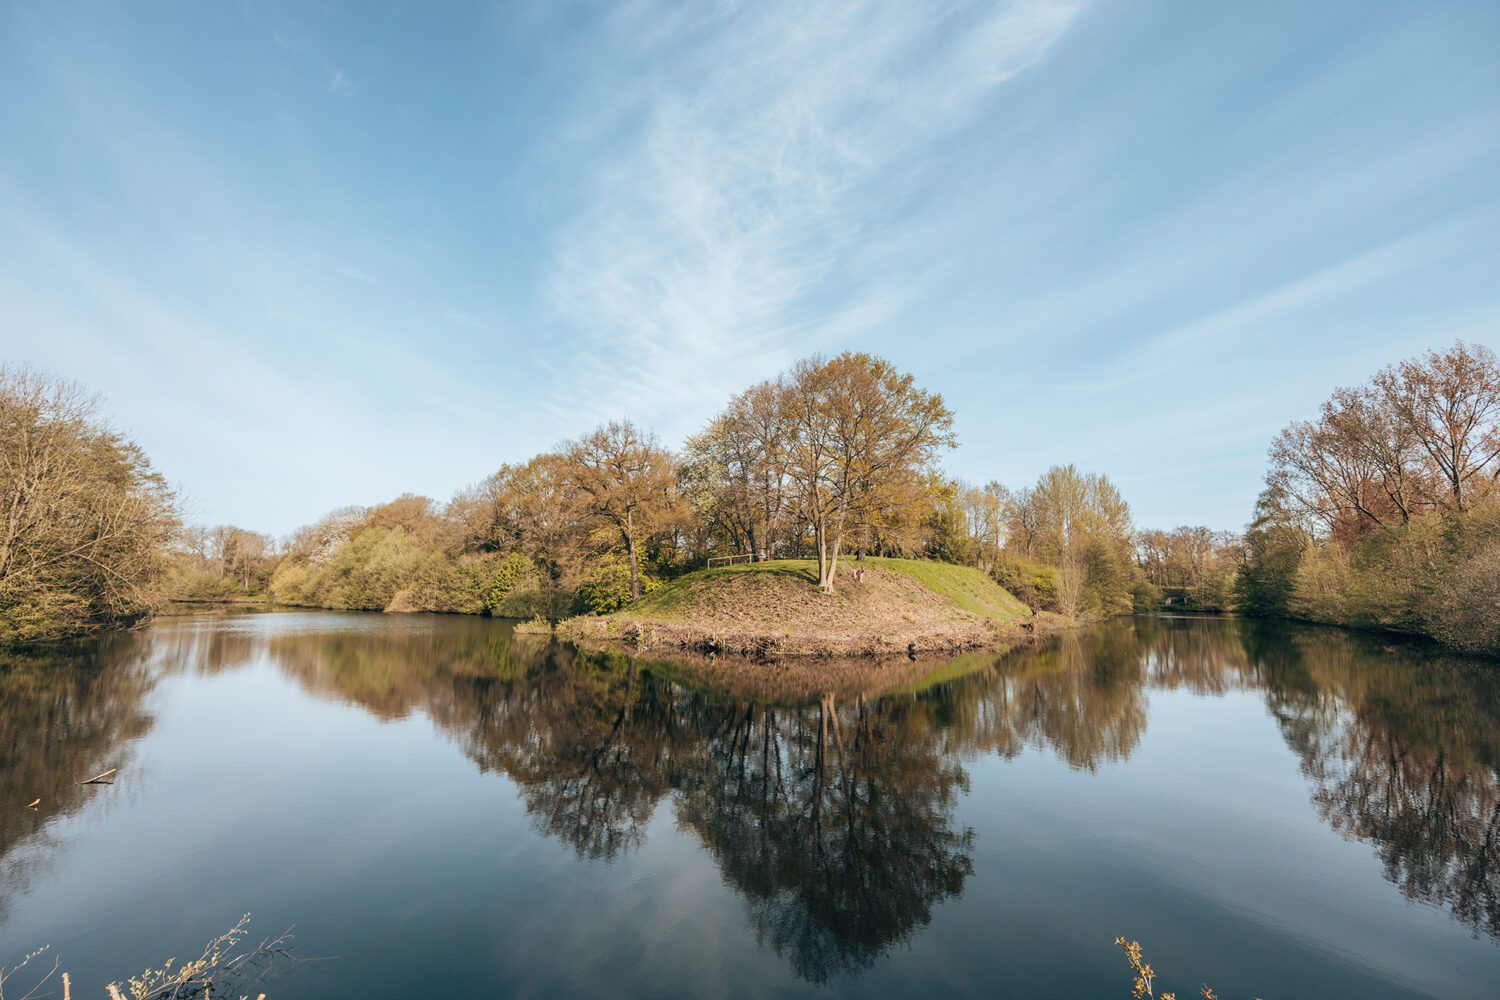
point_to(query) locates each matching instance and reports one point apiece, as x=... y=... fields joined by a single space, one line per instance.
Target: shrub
x=1034 y=584
x=1320 y=586
x=1146 y=596
x=1465 y=609
x=516 y=589
x=607 y=587
x=42 y=615
x=293 y=583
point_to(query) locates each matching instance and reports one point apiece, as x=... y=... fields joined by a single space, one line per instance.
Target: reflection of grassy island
x=880 y=606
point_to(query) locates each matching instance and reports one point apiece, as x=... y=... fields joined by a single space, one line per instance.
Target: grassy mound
x=776 y=608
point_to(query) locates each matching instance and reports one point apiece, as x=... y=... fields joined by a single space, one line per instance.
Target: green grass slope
x=963 y=585
x=894 y=605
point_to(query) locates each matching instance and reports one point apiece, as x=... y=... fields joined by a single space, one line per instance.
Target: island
x=882 y=606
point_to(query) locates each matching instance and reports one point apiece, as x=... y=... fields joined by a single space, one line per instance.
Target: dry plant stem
x=98 y=779
x=35 y=991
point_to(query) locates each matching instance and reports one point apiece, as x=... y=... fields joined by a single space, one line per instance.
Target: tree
x=734 y=471
x=1354 y=469
x=84 y=519
x=968 y=525
x=620 y=478
x=1083 y=528
x=1196 y=564
x=1023 y=527
x=1274 y=545
x=242 y=555
x=859 y=439
x=1422 y=435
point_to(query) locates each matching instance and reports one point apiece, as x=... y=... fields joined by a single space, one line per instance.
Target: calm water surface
x=455 y=811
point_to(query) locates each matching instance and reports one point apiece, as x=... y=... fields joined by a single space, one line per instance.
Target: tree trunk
x=635 y=573
x=820 y=537
x=828 y=557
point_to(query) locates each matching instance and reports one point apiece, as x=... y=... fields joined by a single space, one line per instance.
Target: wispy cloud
x=720 y=243
x=338 y=83
x=460 y=318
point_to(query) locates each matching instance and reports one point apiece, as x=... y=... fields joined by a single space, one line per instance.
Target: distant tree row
x=220 y=563
x=1194 y=568
x=1383 y=512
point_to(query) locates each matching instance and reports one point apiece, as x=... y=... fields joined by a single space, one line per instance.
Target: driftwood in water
x=98 y=779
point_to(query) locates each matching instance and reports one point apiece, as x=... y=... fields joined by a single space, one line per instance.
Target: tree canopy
x=84 y=519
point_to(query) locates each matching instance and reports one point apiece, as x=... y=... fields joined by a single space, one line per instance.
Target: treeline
x=221 y=563
x=1384 y=511
x=1190 y=568
x=834 y=459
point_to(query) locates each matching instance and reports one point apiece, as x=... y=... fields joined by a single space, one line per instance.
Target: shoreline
x=650 y=636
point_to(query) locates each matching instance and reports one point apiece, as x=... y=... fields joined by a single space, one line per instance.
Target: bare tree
x=735 y=470
x=1450 y=403
x=1023 y=527
x=1083 y=528
x=241 y=554
x=1423 y=434
x=84 y=519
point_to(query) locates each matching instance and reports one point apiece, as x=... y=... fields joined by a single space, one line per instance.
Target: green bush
x=516 y=589
x=1033 y=583
x=607 y=587
x=1145 y=595
x=293 y=583
x=203 y=585
x=1438 y=576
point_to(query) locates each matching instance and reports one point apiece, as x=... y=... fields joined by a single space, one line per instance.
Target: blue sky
x=322 y=254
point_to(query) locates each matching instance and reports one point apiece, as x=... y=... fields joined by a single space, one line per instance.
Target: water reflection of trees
x=833 y=816
x=1402 y=748
x=1079 y=696
x=64 y=717
x=834 y=820
x=1400 y=743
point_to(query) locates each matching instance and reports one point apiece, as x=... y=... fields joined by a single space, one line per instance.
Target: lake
x=443 y=808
